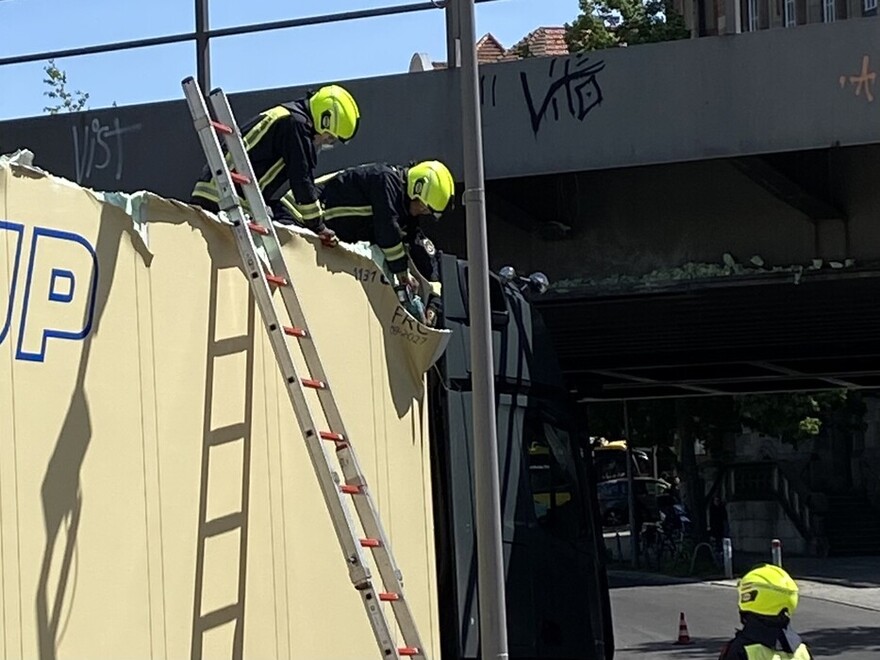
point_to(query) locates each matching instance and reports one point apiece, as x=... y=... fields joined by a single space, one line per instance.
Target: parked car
x=609 y=459
x=614 y=502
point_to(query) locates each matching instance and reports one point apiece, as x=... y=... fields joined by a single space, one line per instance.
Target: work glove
x=328 y=237
x=410 y=302
x=432 y=311
x=404 y=295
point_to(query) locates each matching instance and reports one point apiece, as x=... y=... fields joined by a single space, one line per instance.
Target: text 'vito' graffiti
x=51 y=290
x=572 y=83
x=98 y=146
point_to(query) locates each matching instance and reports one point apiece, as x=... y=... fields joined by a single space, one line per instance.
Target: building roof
x=489 y=49
x=541 y=42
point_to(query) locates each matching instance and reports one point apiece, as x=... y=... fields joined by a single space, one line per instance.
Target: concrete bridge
x=610 y=171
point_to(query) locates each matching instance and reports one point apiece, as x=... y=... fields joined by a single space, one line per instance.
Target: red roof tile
x=543 y=42
x=489 y=49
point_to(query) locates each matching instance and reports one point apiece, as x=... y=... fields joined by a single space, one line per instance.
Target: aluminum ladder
x=249 y=230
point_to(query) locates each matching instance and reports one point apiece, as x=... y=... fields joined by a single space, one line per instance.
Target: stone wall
x=753 y=525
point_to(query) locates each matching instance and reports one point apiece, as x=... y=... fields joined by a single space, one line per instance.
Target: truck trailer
x=156 y=499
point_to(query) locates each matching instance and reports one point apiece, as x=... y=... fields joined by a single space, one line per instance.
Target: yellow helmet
x=431 y=183
x=768 y=590
x=335 y=111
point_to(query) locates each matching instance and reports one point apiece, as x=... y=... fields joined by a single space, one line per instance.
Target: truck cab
x=557 y=592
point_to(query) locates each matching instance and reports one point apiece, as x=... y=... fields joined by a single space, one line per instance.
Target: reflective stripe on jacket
x=368 y=203
x=757 y=641
x=280 y=147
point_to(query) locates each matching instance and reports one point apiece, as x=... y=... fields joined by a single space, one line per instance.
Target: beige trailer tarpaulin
x=156 y=498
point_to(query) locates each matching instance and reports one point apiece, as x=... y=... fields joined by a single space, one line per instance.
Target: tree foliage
x=609 y=23
x=64 y=100
x=792 y=417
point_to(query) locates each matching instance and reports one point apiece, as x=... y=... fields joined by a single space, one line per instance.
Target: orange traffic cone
x=683 y=635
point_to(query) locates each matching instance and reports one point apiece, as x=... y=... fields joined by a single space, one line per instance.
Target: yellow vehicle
x=609 y=459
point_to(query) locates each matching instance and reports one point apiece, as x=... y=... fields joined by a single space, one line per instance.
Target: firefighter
x=283 y=144
x=384 y=205
x=768 y=598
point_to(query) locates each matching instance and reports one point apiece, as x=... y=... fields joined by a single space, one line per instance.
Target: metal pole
x=631 y=492
x=453 y=35
x=490 y=554
x=224 y=32
x=727 y=549
x=776 y=552
x=203 y=46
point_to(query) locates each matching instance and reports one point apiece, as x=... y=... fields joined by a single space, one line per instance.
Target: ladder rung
x=314 y=384
x=295 y=332
x=370 y=543
x=408 y=651
x=389 y=596
x=239 y=178
x=221 y=128
x=276 y=280
x=335 y=437
x=348 y=489
x=258 y=229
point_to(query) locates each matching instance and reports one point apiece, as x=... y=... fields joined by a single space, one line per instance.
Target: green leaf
x=610 y=23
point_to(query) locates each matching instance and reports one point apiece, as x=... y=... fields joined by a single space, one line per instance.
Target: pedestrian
x=768 y=598
x=283 y=144
x=385 y=205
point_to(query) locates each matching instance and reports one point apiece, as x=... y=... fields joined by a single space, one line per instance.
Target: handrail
x=787 y=491
x=797 y=510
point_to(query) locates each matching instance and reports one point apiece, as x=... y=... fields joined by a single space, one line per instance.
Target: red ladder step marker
x=408 y=651
x=276 y=280
x=221 y=128
x=314 y=384
x=389 y=596
x=349 y=489
x=294 y=332
x=239 y=178
x=258 y=229
x=370 y=543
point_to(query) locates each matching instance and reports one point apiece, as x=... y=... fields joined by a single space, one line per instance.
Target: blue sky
x=337 y=51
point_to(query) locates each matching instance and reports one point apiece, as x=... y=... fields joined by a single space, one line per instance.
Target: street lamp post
x=487 y=499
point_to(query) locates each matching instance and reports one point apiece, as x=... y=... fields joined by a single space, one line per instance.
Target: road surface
x=646 y=622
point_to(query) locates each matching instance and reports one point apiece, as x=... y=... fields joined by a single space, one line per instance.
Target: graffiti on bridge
x=862 y=81
x=577 y=79
x=493 y=83
x=100 y=146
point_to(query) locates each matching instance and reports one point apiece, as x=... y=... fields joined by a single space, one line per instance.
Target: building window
x=870 y=5
x=828 y=11
x=753 y=16
x=791 y=12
